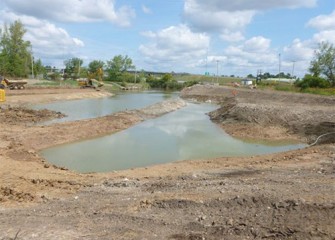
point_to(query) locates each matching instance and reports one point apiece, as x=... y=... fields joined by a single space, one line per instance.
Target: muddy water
x=184 y=134
x=92 y=108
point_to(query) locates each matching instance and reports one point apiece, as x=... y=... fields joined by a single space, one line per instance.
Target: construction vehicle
x=2 y=95
x=91 y=82
x=12 y=84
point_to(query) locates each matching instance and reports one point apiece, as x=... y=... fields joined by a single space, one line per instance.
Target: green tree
x=95 y=65
x=15 y=57
x=324 y=62
x=38 y=68
x=73 y=68
x=167 y=77
x=95 y=69
x=166 y=82
x=141 y=76
x=266 y=75
x=311 y=81
x=118 y=66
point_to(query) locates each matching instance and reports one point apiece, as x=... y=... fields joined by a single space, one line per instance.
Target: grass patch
x=320 y=91
x=55 y=83
x=288 y=87
x=208 y=79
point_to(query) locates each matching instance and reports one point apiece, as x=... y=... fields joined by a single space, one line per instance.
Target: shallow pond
x=92 y=108
x=184 y=134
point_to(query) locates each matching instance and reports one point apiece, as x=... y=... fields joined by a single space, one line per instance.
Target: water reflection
x=92 y=108
x=184 y=134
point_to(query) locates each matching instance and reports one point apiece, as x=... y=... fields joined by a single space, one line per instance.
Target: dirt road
x=279 y=196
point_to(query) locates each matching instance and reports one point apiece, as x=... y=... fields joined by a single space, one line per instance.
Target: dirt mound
x=16 y=115
x=161 y=108
x=304 y=115
x=305 y=121
x=220 y=93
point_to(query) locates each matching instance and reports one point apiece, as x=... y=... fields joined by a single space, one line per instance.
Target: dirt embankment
x=24 y=175
x=279 y=196
x=35 y=95
x=269 y=114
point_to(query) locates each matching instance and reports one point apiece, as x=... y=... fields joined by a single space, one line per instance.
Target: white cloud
x=212 y=20
x=297 y=56
x=257 y=44
x=255 y=5
x=325 y=36
x=302 y=52
x=146 y=10
x=254 y=50
x=231 y=36
x=254 y=53
x=299 y=50
x=176 y=44
x=48 y=40
x=74 y=10
x=323 y=22
x=229 y=16
x=326 y=26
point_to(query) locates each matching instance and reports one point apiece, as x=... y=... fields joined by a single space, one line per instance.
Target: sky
x=225 y=37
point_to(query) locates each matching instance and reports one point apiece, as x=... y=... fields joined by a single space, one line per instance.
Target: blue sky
x=239 y=37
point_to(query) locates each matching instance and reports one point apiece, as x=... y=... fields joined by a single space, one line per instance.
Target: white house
x=246 y=82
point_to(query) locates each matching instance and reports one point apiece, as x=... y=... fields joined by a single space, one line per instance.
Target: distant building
x=288 y=80
x=246 y=82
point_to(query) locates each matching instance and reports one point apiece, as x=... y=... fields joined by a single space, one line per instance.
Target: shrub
x=310 y=81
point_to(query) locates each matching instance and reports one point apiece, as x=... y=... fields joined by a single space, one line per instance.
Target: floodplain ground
x=288 y=195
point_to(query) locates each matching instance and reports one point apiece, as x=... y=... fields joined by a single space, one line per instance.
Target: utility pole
x=78 y=68
x=217 y=71
x=32 y=63
x=206 y=73
x=259 y=74
x=32 y=67
x=293 y=69
x=279 y=58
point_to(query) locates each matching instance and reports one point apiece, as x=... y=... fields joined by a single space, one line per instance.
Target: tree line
x=17 y=60
x=267 y=75
x=117 y=69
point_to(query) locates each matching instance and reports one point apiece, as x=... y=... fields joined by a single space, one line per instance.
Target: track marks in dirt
x=10 y=194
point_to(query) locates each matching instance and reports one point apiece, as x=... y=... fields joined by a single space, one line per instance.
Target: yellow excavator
x=90 y=81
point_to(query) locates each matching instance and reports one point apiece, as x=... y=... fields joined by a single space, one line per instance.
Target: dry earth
x=280 y=196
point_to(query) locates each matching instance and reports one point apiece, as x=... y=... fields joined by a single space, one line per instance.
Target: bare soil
x=279 y=196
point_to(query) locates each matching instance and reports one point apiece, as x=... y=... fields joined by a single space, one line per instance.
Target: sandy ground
x=280 y=196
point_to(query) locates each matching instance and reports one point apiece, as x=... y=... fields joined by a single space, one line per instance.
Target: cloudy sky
x=235 y=37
